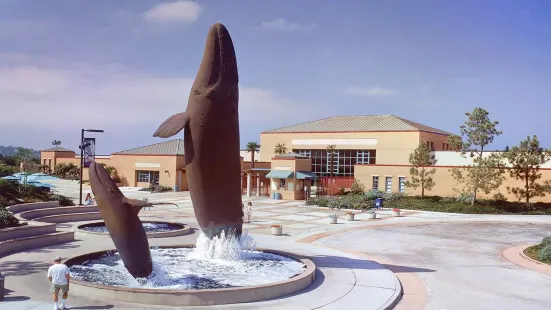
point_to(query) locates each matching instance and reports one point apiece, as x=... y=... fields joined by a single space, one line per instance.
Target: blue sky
x=124 y=66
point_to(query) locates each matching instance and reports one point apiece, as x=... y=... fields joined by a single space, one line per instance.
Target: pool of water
x=149 y=227
x=185 y=269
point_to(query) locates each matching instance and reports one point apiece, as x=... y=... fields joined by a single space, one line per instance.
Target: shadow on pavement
x=21 y=268
x=329 y=261
x=94 y=307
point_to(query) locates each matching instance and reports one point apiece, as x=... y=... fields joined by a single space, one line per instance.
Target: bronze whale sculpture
x=120 y=215
x=211 y=137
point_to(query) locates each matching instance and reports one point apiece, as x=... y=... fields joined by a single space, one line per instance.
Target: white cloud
x=111 y=96
x=370 y=91
x=174 y=12
x=280 y=24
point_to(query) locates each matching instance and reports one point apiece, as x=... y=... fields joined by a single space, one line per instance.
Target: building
x=159 y=164
x=358 y=140
x=375 y=149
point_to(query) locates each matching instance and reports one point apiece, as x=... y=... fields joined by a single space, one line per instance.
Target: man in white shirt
x=58 y=275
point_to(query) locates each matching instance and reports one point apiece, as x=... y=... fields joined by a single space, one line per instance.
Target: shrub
x=465 y=198
x=544 y=254
x=7 y=219
x=373 y=194
x=499 y=197
x=545 y=242
x=357 y=188
x=392 y=197
x=447 y=199
x=63 y=201
x=156 y=189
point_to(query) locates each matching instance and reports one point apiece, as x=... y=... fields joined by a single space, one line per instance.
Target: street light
x=82 y=146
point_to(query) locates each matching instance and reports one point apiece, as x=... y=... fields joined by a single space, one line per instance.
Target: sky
x=125 y=66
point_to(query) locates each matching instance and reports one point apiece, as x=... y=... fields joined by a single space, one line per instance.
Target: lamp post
x=82 y=146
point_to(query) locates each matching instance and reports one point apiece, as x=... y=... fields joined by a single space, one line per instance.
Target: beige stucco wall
x=392 y=147
x=445 y=183
x=167 y=167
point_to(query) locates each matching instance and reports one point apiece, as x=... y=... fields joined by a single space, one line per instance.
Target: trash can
x=2 y=278
x=379 y=203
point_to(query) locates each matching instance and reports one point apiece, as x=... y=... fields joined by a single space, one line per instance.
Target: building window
x=144 y=176
x=401 y=184
x=375 y=183
x=44 y=162
x=155 y=177
x=432 y=146
x=281 y=183
x=388 y=185
x=428 y=144
x=342 y=161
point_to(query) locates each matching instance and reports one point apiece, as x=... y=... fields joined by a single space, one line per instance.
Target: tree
x=280 y=149
x=252 y=147
x=421 y=177
x=68 y=171
x=525 y=161
x=331 y=150
x=25 y=155
x=455 y=142
x=486 y=173
x=56 y=143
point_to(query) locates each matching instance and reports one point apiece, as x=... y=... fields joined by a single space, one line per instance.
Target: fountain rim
x=184 y=229
x=309 y=271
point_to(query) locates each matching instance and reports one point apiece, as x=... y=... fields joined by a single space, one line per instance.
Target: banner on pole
x=89 y=151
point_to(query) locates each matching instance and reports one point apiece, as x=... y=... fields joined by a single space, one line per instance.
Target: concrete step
x=26 y=243
x=39 y=213
x=32 y=206
x=26 y=231
x=70 y=217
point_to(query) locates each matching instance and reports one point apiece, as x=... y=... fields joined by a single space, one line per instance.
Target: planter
x=372 y=215
x=277 y=231
x=333 y=219
x=396 y=213
x=350 y=217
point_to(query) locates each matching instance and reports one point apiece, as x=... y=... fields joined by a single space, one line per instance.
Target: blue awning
x=301 y=175
x=279 y=174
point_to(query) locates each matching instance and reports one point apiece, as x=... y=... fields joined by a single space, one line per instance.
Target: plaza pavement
x=444 y=261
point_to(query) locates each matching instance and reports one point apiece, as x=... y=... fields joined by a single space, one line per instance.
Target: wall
x=438 y=140
x=247 y=156
x=70 y=157
x=443 y=179
x=392 y=147
x=126 y=167
x=246 y=165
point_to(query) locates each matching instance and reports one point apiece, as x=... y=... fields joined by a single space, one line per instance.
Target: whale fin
x=137 y=205
x=172 y=125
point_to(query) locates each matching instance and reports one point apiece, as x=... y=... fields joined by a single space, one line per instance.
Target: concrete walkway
x=444 y=261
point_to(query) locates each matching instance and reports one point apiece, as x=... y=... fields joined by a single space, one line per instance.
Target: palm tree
x=252 y=147
x=331 y=149
x=280 y=149
x=56 y=143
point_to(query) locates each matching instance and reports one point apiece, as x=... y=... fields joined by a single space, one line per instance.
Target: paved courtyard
x=444 y=261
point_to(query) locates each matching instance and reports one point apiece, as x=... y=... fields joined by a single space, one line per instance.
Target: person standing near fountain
x=58 y=275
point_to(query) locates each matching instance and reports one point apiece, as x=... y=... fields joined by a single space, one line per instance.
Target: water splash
x=226 y=247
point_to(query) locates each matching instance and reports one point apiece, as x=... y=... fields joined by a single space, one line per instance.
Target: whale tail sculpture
x=211 y=137
x=120 y=215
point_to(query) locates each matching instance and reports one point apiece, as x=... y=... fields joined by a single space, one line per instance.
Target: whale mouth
x=219 y=65
x=99 y=176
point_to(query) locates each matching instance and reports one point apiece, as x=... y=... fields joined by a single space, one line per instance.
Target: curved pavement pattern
x=459 y=263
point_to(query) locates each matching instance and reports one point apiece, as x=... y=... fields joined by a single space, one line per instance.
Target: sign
x=89 y=151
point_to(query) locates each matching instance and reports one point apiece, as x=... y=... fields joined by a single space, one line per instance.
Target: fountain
x=153 y=229
x=224 y=266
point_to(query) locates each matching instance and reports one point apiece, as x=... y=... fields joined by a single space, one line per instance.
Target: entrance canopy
x=279 y=174
x=302 y=175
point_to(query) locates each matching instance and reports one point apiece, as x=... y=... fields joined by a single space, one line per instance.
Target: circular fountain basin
x=153 y=229
x=181 y=281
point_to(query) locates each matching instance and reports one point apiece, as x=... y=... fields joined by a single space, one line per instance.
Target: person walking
x=58 y=275
x=306 y=191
